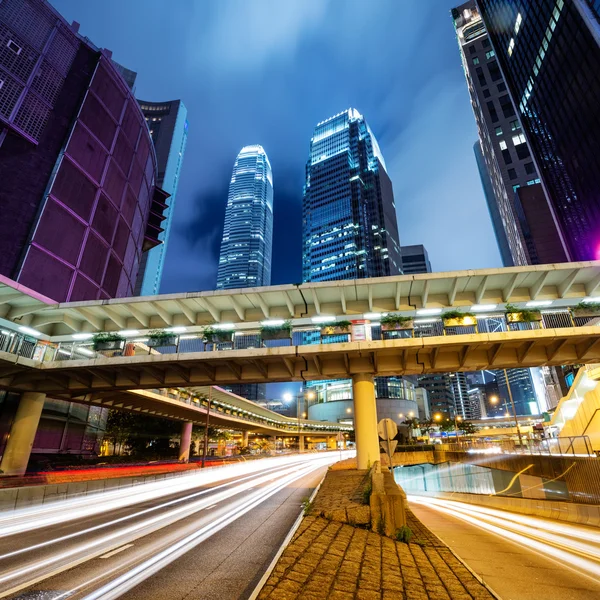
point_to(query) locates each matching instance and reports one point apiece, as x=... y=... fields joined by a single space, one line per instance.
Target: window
x=486 y=93
x=472 y=49
x=492 y=110
x=494 y=70
x=533 y=181
x=507 y=157
x=14 y=47
x=498 y=130
x=529 y=168
x=480 y=76
x=515 y=125
x=511 y=46
x=516 y=187
x=506 y=106
x=503 y=145
x=1 y=83
x=518 y=23
x=485 y=43
x=512 y=173
x=475 y=61
x=518 y=139
x=502 y=87
x=490 y=54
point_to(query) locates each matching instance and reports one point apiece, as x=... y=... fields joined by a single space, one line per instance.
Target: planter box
x=276 y=334
x=460 y=322
x=585 y=312
x=106 y=346
x=398 y=326
x=518 y=318
x=335 y=330
x=220 y=337
x=170 y=340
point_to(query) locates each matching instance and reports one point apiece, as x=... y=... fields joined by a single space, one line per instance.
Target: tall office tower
x=460 y=393
x=78 y=197
x=549 y=52
x=349 y=226
x=415 y=259
x=167 y=122
x=439 y=392
x=504 y=159
x=522 y=389
x=247 y=245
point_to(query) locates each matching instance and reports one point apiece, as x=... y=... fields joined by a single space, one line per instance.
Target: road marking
x=116 y=551
x=211 y=506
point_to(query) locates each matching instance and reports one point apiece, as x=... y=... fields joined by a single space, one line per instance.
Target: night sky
x=265 y=72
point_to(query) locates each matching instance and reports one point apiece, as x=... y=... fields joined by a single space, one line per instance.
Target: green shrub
x=366 y=493
x=395 y=319
x=404 y=534
x=457 y=314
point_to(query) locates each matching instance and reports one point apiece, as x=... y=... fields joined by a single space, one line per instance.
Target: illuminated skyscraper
x=349 y=226
x=247 y=245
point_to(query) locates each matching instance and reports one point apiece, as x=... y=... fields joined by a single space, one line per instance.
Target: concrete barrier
x=387 y=502
x=581 y=514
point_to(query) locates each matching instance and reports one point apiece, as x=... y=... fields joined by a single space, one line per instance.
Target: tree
x=119 y=426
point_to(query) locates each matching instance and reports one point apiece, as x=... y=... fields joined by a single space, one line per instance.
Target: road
x=520 y=557
x=208 y=535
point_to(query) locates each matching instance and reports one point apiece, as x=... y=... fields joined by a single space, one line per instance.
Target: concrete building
x=78 y=184
x=549 y=52
x=504 y=158
x=415 y=259
x=168 y=125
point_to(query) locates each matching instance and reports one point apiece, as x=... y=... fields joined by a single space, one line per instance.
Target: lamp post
x=512 y=402
x=205 y=449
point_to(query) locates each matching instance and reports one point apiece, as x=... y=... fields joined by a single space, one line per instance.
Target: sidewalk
x=329 y=559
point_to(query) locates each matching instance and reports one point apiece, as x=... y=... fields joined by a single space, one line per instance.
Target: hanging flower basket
x=217 y=336
x=338 y=328
x=160 y=339
x=456 y=318
x=586 y=309
x=397 y=323
x=276 y=332
x=104 y=342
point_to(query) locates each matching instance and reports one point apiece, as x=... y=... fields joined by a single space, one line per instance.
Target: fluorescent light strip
x=539 y=303
x=29 y=331
x=483 y=307
x=429 y=311
x=272 y=323
x=82 y=336
x=224 y=326
x=127 y=332
x=323 y=319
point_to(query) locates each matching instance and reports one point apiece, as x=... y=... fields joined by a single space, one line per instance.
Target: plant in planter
x=108 y=341
x=159 y=338
x=394 y=322
x=337 y=328
x=586 y=309
x=276 y=332
x=210 y=335
x=515 y=314
x=457 y=318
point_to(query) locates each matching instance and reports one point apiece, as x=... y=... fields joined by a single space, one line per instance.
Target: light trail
x=26 y=519
x=275 y=479
x=559 y=542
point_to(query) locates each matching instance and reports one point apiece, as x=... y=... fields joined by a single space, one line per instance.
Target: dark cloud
x=266 y=72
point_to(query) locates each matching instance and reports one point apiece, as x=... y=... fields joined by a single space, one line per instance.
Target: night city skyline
x=410 y=88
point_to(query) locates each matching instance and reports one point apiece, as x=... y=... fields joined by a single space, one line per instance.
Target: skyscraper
x=549 y=52
x=349 y=225
x=167 y=122
x=247 y=245
x=79 y=201
x=415 y=259
x=504 y=160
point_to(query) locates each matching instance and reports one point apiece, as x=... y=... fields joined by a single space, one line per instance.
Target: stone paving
x=329 y=559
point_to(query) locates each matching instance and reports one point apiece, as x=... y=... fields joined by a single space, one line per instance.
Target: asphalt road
x=208 y=536
x=518 y=556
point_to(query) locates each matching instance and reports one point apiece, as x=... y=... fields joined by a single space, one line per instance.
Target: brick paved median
x=329 y=559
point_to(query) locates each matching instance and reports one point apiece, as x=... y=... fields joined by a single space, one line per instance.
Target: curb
x=284 y=545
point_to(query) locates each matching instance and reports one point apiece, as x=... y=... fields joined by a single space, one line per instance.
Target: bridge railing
x=16 y=342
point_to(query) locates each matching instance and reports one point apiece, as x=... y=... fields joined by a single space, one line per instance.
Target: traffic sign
x=387 y=429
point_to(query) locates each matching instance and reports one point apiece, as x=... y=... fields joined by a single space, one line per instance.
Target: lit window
x=498 y=130
x=514 y=125
x=490 y=54
x=518 y=23
x=503 y=145
x=475 y=61
x=518 y=139
x=1 y=83
x=14 y=47
x=511 y=46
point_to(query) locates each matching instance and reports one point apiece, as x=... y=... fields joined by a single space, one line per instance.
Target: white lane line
x=212 y=505
x=116 y=551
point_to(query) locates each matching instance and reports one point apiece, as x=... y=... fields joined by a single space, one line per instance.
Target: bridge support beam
x=245 y=438
x=365 y=420
x=186 y=440
x=331 y=442
x=301 y=443
x=22 y=433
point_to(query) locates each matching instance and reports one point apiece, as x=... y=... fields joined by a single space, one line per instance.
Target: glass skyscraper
x=167 y=122
x=247 y=245
x=549 y=52
x=349 y=226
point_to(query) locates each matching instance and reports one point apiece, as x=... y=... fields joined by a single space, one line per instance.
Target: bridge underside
x=300 y=363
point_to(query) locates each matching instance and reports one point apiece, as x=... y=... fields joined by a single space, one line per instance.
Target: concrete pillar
x=331 y=442
x=184 y=444
x=365 y=420
x=301 y=443
x=244 y=438
x=22 y=433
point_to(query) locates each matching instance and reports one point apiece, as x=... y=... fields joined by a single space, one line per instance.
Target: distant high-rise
x=549 y=52
x=504 y=159
x=167 y=122
x=247 y=245
x=415 y=259
x=349 y=225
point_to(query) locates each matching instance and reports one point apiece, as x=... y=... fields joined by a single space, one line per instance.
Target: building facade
x=247 y=244
x=549 y=52
x=78 y=194
x=349 y=224
x=168 y=125
x=415 y=259
x=504 y=158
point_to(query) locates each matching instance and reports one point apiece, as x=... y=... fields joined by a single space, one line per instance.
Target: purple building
x=77 y=164
x=78 y=200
